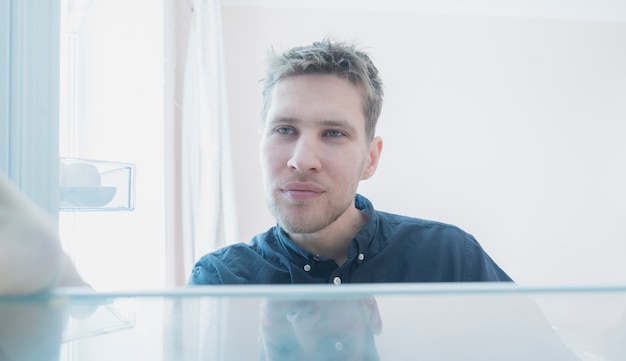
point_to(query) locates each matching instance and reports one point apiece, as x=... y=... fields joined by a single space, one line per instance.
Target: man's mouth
x=301 y=190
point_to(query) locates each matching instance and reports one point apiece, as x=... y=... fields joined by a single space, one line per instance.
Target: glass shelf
x=324 y=322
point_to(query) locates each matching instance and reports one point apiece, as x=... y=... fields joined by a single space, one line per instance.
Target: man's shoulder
x=234 y=263
x=458 y=255
x=406 y=223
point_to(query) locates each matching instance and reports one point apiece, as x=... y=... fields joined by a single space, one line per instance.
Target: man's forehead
x=292 y=86
x=323 y=99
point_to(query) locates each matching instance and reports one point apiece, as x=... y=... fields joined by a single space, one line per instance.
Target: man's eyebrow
x=287 y=120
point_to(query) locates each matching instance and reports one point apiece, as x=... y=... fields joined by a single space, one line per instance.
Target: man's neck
x=334 y=240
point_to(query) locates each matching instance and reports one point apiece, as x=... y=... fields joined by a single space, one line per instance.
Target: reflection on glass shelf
x=323 y=322
x=93 y=185
x=92 y=318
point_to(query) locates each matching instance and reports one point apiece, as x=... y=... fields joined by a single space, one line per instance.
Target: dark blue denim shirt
x=389 y=248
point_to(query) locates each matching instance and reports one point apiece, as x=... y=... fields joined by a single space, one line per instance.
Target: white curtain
x=200 y=198
x=202 y=202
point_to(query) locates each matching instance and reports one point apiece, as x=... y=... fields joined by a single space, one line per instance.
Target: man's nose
x=306 y=155
x=305 y=319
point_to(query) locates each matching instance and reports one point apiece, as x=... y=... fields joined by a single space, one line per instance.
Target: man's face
x=314 y=151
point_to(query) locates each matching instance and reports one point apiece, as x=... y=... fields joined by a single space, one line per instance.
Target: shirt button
x=337 y=280
x=307 y=267
x=361 y=256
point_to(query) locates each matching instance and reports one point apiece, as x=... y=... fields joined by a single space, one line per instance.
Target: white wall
x=510 y=127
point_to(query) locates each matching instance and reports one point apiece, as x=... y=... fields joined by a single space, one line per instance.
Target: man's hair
x=328 y=57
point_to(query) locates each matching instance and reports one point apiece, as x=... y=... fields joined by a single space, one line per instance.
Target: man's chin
x=298 y=222
x=293 y=227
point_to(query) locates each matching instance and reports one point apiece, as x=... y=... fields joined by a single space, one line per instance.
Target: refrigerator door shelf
x=94 y=185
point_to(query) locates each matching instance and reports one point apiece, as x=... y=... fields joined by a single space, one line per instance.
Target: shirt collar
x=363 y=241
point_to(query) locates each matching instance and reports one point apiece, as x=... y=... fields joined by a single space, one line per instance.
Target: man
x=31 y=257
x=321 y=105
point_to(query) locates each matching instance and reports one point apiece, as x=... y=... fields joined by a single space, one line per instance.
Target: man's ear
x=375 y=148
x=375 y=323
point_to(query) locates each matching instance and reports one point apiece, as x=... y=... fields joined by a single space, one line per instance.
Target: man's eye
x=284 y=130
x=334 y=133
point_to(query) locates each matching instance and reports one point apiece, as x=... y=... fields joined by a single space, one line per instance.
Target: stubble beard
x=304 y=218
